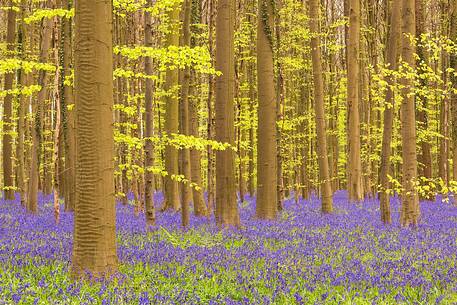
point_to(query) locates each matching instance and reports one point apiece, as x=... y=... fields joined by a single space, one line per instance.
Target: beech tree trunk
x=266 y=205
x=184 y=118
x=149 y=125
x=453 y=101
x=172 y=118
x=94 y=241
x=7 y=147
x=200 y=208
x=210 y=123
x=425 y=158
x=37 y=109
x=68 y=116
x=226 y=204
x=410 y=212
x=324 y=175
x=24 y=80
x=195 y=160
x=355 y=181
x=386 y=150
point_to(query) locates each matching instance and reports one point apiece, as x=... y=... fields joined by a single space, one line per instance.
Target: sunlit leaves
x=172 y=57
x=40 y=14
x=12 y=64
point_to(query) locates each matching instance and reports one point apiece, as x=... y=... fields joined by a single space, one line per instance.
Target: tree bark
x=386 y=150
x=172 y=118
x=94 y=241
x=149 y=125
x=324 y=176
x=68 y=115
x=24 y=80
x=186 y=191
x=410 y=212
x=226 y=205
x=355 y=182
x=453 y=101
x=37 y=110
x=198 y=200
x=267 y=204
x=7 y=148
x=425 y=158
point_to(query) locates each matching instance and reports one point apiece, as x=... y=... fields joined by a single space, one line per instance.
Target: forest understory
x=348 y=257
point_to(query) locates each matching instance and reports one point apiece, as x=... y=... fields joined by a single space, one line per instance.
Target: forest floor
x=303 y=258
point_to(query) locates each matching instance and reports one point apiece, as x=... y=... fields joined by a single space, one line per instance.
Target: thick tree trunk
x=226 y=205
x=94 y=241
x=149 y=125
x=324 y=176
x=266 y=205
x=410 y=212
x=386 y=150
x=7 y=147
x=355 y=182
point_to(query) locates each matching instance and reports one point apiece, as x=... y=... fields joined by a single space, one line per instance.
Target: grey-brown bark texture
x=149 y=126
x=266 y=204
x=172 y=198
x=410 y=212
x=324 y=175
x=94 y=241
x=386 y=150
x=226 y=205
x=355 y=181
x=7 y=148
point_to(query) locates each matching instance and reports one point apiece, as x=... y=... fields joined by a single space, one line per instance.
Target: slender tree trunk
x=37 y=110
x=94 y=241
x=55 y=157
x=266 y=205
x=149 y=125
x=410 y=212
x=251 y=131
x=226 y=205
x=195 y=154
x=324 y=176
x=443 y=156
x=302 y=108
x=425 y=158
x=68 y=116
x=210 y=127
x=24 y=79
x=280 y=116
x=186 y=191
x=355 y=183
x=172 y=118
x=7 y=147
x=195 y=161
x=386 y=150
x=453 y=101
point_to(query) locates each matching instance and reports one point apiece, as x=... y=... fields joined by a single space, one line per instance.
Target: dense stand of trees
x=211 y=101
